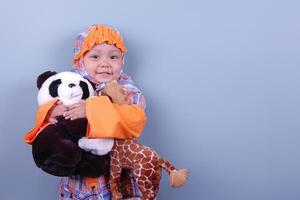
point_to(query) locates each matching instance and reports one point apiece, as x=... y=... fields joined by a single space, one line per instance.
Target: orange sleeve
x=109 y=120
x=40 y=123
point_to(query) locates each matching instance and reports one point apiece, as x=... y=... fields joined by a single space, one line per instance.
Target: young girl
x=99 y=57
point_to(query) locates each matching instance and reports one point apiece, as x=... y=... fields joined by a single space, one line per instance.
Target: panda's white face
x=69 y=87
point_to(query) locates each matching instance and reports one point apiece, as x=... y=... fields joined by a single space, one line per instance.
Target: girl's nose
x=103 y=63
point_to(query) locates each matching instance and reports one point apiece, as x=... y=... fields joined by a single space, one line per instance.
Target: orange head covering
x=93 y=35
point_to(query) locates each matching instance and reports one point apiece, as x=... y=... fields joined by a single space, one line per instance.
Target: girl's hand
x=76 y=111
x=57 y=110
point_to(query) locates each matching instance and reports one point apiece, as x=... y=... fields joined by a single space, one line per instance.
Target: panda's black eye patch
x=85 y=88
x=53 y=88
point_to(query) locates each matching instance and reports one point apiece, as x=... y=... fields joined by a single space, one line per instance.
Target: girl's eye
x=114 y=57
x=94 y=56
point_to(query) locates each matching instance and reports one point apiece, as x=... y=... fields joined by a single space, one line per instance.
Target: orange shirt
x=105 y=119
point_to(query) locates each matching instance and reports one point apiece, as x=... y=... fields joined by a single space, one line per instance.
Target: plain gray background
x=221 y=80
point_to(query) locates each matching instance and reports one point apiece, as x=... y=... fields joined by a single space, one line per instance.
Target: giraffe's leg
x=152 y=185
x=114 y=181
x=144 y=181
x=148 y=191
x=156 y=181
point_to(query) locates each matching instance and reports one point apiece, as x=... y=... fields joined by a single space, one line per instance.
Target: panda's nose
x=72 y=85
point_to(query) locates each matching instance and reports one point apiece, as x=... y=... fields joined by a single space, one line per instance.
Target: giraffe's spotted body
x=145 y=163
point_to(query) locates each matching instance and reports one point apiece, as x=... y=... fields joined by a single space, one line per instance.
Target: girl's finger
x=73 y=106
x=72 y=118
x=52 y=120
x=67 y=115
x=70 y=114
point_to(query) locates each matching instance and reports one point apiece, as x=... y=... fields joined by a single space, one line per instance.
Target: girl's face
x=103 y=63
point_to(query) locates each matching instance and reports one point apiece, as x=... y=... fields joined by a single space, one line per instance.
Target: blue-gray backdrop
x=221 y=79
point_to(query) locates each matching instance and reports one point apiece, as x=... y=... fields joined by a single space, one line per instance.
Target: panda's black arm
x=74 y=128
x=92 y=165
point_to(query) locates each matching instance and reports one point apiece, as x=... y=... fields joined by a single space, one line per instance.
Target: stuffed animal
x=55 y=149
x=145 y=163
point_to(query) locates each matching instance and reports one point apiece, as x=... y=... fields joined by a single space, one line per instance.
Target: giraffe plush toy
x=145 y=163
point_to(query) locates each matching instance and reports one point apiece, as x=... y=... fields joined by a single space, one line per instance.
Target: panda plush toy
x=55 y=150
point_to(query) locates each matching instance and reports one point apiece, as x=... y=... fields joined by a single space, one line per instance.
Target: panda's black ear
x=43 y=77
